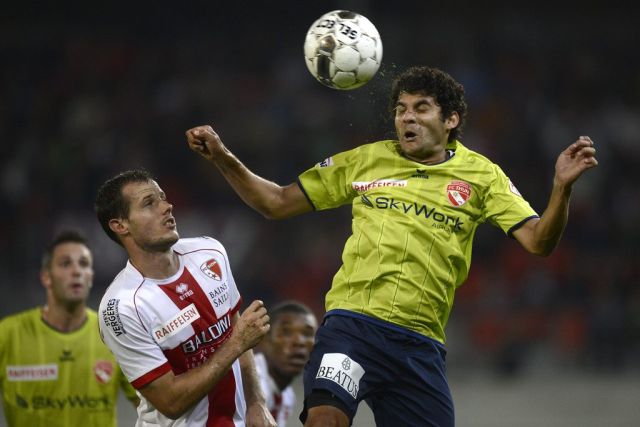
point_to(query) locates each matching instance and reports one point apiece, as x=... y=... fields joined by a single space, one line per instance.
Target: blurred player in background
x=416 y=202
x=282 y=355
x=54 y=368
x=171 y=315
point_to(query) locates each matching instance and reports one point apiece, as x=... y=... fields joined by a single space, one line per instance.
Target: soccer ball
x=343 y=50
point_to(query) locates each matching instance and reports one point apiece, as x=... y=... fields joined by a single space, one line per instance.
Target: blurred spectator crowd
x=84 y=97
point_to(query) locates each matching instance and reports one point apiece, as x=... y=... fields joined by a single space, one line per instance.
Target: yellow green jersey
x=412 y=228
x=50 y=378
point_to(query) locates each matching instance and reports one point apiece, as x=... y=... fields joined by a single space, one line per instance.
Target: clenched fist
x=252 y=325
x=205 y=141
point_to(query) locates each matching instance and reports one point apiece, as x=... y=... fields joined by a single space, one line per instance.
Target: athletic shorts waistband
x=383 y=324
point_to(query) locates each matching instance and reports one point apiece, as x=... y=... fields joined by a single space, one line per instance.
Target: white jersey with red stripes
x=174 y=324
x=280 y=403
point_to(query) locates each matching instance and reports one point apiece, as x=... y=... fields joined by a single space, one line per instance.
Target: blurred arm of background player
x=253 y=395
x=540 y=236
x=270 y=199
x=173 y=394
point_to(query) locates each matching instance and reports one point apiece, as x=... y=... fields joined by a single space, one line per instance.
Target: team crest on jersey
x=212 y=269
x=513 y=189
x=458 y=192
x=103 y=370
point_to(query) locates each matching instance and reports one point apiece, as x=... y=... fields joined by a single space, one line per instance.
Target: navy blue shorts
x=399 y=373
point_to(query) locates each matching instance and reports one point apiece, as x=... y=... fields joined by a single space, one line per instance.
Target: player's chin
x=167 y=240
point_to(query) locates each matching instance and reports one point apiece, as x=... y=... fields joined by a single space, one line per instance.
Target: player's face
x=288 y=345
x=150 y=223
x=420 y=128
x=70 y=275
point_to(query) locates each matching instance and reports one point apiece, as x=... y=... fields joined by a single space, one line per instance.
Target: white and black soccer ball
x=343 y=50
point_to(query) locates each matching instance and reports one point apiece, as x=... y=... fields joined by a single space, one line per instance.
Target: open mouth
x=77 y=286
x=170 y=222
x=410 y=135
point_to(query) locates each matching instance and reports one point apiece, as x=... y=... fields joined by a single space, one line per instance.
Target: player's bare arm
x=173 y=394
x=270 y=199
x=541 y=236
x=258 y=414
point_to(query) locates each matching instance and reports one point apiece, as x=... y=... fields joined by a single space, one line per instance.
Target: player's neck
x=64 y=318
x=155 y=265
x=281 y=381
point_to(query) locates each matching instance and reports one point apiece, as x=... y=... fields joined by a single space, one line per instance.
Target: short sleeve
x=139 y=356
x=234 y=294
x=504 y=206
x=328 y=184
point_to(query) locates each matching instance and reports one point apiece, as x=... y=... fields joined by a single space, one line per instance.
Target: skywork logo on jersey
x=111 y=317
x=38 y=402
x=208 y=336
x=186 y=317
x=379 y=183
x=342 y=370
x=32 y=372
x=413 y=208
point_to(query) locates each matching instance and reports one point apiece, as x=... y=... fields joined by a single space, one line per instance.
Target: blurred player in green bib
x=416 y=203
x=54 y=368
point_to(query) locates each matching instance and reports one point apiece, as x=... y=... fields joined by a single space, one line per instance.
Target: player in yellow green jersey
x=416 y=203
x=54 y=368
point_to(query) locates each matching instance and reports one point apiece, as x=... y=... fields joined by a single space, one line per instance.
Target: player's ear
x=452 y=121
x=45 y=278
x=119 y=226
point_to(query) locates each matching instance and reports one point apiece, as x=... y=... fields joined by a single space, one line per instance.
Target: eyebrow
x=148 y=196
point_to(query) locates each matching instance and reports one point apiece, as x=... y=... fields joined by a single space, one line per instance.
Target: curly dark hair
x=110 y=202
x=448 y=93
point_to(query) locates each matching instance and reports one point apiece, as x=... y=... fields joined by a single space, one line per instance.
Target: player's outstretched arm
x=173 y=394
x=270 y=199
x=541 y=236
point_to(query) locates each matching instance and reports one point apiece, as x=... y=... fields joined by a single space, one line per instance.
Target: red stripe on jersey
x=150 y=376
x=222 y=402
x=210 y=333
x=277 y=405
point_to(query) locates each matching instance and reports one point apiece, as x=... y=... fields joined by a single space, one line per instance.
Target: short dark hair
x=110 y=202
x=448 y=93
x=284 y=307
x=65 y=236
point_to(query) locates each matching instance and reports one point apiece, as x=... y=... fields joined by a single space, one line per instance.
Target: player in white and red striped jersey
x=171 y=316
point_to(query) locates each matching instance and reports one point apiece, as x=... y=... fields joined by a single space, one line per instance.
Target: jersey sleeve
x=328 y=184
x=504 y=206
x=234 y=294
x=139 y=356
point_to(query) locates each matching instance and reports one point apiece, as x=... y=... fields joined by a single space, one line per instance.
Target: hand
x=205 y=141
x=252 y=325
x=573 y=161
x=258 y=416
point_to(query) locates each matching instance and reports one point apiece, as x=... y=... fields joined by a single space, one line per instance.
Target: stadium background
x=90 y=90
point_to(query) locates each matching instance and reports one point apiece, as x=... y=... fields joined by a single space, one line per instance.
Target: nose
x=76 y=269
x=408 y=116
x=169 y=207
